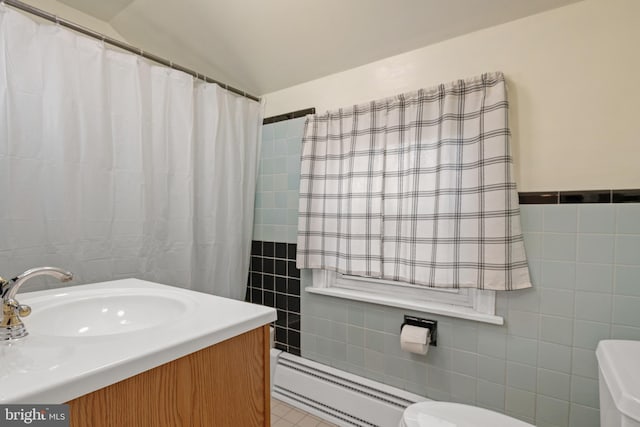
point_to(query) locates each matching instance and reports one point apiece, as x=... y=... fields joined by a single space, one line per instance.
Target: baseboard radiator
x=337 y=396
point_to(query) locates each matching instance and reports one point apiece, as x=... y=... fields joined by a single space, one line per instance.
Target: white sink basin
x=104 y=312
x=84 y=338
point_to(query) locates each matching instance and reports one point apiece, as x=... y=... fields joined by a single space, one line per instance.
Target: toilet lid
x=446 y=414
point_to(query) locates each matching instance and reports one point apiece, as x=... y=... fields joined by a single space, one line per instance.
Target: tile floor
x=284 y=415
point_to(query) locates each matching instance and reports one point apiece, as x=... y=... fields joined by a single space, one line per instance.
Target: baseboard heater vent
x=337 y=396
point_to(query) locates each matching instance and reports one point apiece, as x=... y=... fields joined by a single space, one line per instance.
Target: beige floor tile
x=308 y=421
x=326 y=424
x=294 y=415
x=282 y=423
x=280 y=410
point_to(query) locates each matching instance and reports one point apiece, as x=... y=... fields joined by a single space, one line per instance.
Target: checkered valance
x=416 y=188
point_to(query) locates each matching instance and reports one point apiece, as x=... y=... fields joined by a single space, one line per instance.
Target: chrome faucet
x=11 y=326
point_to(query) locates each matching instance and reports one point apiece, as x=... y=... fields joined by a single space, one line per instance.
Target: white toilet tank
x=619 y=374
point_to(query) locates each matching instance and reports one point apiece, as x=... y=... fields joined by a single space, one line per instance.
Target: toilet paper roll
x=415 y=339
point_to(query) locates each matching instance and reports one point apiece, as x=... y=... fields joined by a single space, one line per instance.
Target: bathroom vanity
x=130 y=352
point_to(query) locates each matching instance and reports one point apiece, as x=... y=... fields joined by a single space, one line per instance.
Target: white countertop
x=42 y=368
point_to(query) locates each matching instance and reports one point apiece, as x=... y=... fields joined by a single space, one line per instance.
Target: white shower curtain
x=113 y=167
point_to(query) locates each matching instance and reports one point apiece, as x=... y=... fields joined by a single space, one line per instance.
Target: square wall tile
x=492 y=369
x=560 y=218
x=374 y=319
x=268 y=132
x=595 y=248
x=627 y=280
x=415 y=372
x=522 y=377
x=464 y=362
x=525 y=299
x=374 y=340
x=554 y=357
x=395 y=367
x=533 y=244
x=628 y=249
x=465 y=335
x=492 y=341
x=628 y=218
x=355 y=335
x=294 y=146
x=584 y=363
x=355 y=355
x=596 y=218
x=552 y=411
x=490 y=395
x=557 y=330
x=594 y=277
x=619 y=332
x=522 y=350
x=583 y=416
x=593 y=306
x=626 y=310
x=522 y=324
x=438 y=357
x=559 y=246
x=296 y=127
x=587 y=334
x=280 y=129
x=554 y=384
x=531 y=218
x=584 y=391
x=558 y=275
x=520 y=403
x=463 y=388
x=556 y=302
x=535 y=271
x=355 y=314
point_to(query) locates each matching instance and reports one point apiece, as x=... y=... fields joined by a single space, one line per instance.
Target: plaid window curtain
x=415 y=188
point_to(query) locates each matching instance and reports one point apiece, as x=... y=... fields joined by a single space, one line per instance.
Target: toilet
x=448 y=414
x=619 y=382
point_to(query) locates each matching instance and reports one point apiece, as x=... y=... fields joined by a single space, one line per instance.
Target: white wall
x=574 y=87
x=75 y=16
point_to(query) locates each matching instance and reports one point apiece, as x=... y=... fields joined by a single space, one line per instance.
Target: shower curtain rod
x=125 y=46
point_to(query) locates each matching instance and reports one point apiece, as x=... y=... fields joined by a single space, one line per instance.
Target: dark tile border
x=626 y=196
x=274 y=281
x=538 y=198
x=288 y=116
x=576 y=197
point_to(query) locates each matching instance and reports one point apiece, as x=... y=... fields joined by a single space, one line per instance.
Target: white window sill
x=422 y=306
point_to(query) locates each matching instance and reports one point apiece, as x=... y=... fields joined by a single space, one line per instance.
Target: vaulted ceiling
x=262 y=46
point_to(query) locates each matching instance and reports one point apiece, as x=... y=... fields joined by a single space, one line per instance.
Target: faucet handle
x=24 y=310
x=11 y=306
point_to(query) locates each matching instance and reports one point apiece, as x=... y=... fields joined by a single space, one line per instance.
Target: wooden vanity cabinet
x=225 y=385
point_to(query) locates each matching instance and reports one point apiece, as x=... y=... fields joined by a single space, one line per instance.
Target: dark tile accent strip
x=539 y=198
x=626 y=196
x=596 y=196
x=576 y=197
x=288 y=116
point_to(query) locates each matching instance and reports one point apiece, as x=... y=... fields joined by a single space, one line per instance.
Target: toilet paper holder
x=432 y=325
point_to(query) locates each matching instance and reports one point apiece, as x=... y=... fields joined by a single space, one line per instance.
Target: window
x=417 y=187
x=471 y=304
